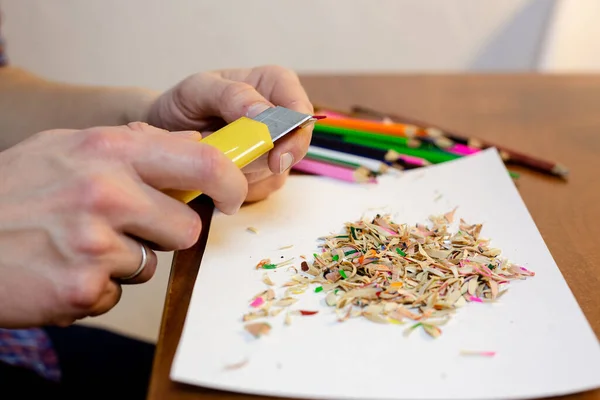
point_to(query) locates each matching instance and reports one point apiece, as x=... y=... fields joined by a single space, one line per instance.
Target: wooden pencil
x=433 y=155
x=334 y=124
x=361 y=170
x=385 y=155
x=421 y=149
x=509 y=156
x=359 y=175
x=396 y=129
x=373 y=165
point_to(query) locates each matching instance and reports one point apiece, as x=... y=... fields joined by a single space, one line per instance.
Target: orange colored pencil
x=388 y=128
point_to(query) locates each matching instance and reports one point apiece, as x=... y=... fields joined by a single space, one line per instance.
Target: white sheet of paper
x=543 y=343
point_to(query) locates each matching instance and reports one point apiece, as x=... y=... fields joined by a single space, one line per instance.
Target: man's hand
x=75 y=206
x=206 y=101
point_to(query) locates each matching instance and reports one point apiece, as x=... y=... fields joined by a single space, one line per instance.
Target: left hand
x=207 y=101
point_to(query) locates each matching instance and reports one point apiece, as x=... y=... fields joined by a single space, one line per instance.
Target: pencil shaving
x=267 y=280
x=258 y=329
x=388 y=273
x=477 y=353
x=235 y=366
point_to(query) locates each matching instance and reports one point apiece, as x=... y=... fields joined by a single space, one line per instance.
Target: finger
x=167 y=164
x=134 y=260
x=283 y=88
x=261 y=190
x=165 y=161
x=289 y=150
x=196 y=136
x=114 y=254
x=256 y=176
x=209 y=94
x=212 y=94
x=109 y=298
x=259 y=165
x=165 y=223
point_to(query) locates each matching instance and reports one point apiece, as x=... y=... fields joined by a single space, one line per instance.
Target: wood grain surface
x=556 y=117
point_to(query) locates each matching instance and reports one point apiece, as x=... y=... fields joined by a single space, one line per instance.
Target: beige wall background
x=156 y=43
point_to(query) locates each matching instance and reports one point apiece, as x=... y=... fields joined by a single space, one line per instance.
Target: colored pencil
x=384 y=155
x=441 y=142
x=396 y=129
x=373 y=165
x=359 y=175
x=361 y=169
x=363 y=135
x=508 y=155
x=329 y=160
x=434 y=155
x=352 y=134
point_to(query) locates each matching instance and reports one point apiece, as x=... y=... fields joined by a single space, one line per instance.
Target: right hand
x=74 y=203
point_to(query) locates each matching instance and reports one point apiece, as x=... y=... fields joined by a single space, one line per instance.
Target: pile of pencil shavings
x=390 y=274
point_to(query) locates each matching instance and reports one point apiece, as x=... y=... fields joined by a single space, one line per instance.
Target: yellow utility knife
x=246 y=139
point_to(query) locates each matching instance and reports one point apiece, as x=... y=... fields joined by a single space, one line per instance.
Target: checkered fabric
x=29 y=348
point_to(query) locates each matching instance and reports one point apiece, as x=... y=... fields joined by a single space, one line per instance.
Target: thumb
x=207 y=95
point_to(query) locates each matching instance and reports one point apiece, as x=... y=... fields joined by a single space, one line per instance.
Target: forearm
x=30 y=104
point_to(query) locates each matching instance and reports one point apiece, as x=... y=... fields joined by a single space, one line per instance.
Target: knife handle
x=242 y=141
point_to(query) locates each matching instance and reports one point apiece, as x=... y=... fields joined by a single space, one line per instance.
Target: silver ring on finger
x=143 y=264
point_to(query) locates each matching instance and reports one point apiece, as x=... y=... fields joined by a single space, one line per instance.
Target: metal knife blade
x=282 y=121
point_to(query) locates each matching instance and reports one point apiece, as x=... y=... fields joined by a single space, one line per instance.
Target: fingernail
x=186 y=133
x=189 y=134
x=256 y=109
x=285 y=162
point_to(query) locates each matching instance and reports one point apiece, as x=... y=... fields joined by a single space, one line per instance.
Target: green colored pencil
x=353 y=133
x=400 y=144
x=360 y=135
x=433 y=156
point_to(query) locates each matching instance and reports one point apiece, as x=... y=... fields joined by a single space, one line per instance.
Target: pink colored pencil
x=462 y=150
x=333 y=171
x=421 y=162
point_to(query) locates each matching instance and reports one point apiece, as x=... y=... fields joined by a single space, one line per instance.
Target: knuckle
x=89 y=240
x=96 y=194
x=86 y=289
x=274 y=69
x=104 y=141
x=138 y=126
x=211 y=163
x=44 y=134
x=143 y=127
x=234 y=90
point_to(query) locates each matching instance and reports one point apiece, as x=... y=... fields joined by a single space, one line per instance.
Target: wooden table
x=555 y=117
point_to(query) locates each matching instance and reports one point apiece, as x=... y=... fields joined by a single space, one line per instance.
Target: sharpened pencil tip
x=561 y=171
